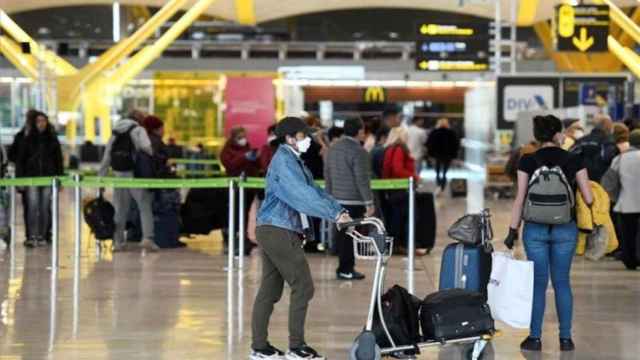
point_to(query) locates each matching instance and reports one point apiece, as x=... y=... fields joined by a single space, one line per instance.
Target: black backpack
x=400 y=311
x=123 y=151
x=99 y=215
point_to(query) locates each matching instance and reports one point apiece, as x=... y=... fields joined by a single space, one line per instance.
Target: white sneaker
x=270 y=353
x=305 y=352
x=149 y=245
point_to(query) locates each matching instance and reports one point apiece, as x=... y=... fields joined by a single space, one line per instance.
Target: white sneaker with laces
x=304 y=352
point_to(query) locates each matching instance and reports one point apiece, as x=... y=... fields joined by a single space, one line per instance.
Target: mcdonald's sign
x=375 y=94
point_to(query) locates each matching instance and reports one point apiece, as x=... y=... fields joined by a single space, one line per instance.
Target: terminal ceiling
x=266 y=10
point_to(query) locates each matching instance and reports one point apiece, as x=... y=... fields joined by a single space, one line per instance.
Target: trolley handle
x=368 y=221
x=349 y=224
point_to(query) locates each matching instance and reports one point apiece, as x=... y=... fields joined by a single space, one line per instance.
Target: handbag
x=472 y=229
x=597 y=242
x=510 y=290
x=611 y=183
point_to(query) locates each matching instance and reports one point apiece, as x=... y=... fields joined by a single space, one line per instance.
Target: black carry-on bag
x=99 y=215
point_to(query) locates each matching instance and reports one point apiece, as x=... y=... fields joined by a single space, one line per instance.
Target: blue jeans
x=551 y=248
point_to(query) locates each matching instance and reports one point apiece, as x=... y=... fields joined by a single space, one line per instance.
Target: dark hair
x=390 y=111
x=353 y=126
x=566 y=123
x=382 y=132
x=271 y=129
x=335 y=132
x=632 y=123
x=30 y=118
x=546 y=127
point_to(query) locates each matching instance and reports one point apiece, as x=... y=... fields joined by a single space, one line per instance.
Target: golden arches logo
x=375 y=94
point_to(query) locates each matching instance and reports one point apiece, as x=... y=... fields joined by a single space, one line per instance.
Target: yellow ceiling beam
x=23 y=62
x=622 y=20
x=147 y=55
x=629 y=58
x=59 y=65
x=246 y=11
x=126 y=46
x=70 y=87
x=527 y=12
x=624 y=38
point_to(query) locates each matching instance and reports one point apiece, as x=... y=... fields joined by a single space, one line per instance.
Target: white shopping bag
x=510 y=290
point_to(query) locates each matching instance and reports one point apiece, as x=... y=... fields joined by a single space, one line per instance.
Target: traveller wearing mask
x=573 y=132
x=597 y=149
x=347 y=173
x=291 y=196
x=237 y=156
x=549 y=244
x=40 y=156
x=129 y=138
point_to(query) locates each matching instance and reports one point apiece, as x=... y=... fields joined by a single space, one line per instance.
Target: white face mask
x=303 y=145
x=578 y=134
x=242 y=142
x=271 y=138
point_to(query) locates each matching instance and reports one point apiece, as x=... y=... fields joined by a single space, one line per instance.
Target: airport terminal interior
x=150 y=197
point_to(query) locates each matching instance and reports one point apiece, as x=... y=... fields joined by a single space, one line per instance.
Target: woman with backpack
x=547 y=183
x=40 y=155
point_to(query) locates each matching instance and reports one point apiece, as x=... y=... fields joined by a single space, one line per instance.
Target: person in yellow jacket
x=598 y=215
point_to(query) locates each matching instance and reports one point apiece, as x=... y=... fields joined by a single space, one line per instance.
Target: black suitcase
x=99 y=215
x=166 y=220
x=458 y=187
x=425 y=221
x=455 y=314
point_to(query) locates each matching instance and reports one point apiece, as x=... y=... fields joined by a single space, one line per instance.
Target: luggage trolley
x=378 y=246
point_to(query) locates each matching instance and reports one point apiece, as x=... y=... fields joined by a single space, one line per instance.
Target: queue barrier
x=77 y=181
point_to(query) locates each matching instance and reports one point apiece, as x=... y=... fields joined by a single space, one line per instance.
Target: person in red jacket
x=237 y=156
x=268 y=150
x=398 y=164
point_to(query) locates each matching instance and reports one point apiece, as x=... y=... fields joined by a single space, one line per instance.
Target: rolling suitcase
x=465 y=267
x=454 y=314
x=425 y=221
x=166 y=221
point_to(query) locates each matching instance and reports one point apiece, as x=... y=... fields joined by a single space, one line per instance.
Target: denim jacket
x=290 y=191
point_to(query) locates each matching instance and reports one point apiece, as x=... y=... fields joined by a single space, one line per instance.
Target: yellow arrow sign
x=584 y=42
x=423 y=65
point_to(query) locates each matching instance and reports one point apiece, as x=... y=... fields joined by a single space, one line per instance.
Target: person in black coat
x=12 y=154
x=39 y=156
x=443 y=145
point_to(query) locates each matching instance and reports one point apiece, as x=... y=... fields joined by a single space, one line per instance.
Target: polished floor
x=183 y=304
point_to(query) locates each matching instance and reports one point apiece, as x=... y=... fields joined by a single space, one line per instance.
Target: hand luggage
x=400 y=311
x=458 y=187
x=204 y=210
x=425 y=221
x=465 y=267
x=455 y=314
x=99 y=215
x=166 y=206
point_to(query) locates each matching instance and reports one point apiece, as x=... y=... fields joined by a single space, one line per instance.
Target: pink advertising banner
x=250 y=103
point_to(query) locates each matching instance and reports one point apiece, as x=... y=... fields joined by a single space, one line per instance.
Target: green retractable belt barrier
x=391 y=184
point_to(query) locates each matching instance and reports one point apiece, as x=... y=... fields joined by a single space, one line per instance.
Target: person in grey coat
x=347 y=172
x=122 y=197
